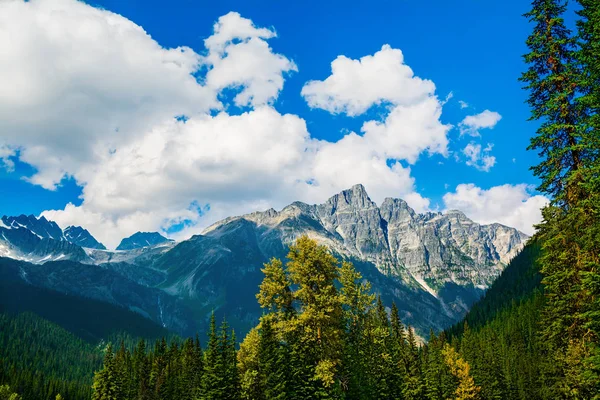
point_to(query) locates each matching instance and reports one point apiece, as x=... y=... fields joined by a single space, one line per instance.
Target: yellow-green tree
x=466 y=389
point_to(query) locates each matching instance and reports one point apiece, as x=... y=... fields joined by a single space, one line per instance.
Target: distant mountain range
x=433 y=265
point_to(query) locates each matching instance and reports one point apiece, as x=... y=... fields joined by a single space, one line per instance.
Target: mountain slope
x=433 y=265
x=500 y=339
x=104 y=284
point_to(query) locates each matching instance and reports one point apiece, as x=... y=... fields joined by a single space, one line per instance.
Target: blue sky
x=471 y=49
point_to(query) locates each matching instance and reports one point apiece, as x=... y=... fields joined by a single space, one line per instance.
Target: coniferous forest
x=325 y=335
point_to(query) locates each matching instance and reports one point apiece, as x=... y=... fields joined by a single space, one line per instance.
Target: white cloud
x=5 y=153
x=356 y=85
x=478 y=158
x=78 y=81
x=223 y=161
x=511 y=205
x=472 y=124
x=463 y=104
x=240 y=57
x=89 y=94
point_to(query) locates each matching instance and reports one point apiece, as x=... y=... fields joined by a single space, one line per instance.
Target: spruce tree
x=212 y=380
x=552 y=80
x=271 y=364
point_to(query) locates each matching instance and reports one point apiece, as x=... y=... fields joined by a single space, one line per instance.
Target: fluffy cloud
x=240 y=57
x=478 y=158
x=412 y=124
x=356 y=85
x=511 y=205
x=472 y=124
x=89 y=94
x=78 y=81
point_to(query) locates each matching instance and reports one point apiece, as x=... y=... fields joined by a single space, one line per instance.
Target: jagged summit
x=142 y=239
x=41 y=227
x=431 y=249
x=82 y=237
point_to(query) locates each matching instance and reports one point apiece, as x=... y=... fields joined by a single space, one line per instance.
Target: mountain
x=433 y=265
x=142 y=239
x=500 y=336
x=81 y=237
x=41 y=227
x=103 y=283
x=36 y=240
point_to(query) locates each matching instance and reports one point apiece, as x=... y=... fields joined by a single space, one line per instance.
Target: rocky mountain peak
x=41 y=227
x=82 y=237
x=142 y=239
x=355 y=197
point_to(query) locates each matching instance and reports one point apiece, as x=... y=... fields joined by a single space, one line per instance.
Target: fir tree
x=212 y=381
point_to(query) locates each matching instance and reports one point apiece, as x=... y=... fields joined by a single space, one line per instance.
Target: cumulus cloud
x=472 y=124
x=90 y=95
x=78 y=81
x=478 y=158
x=240 y=57
x=354 y=86
x=511 y=205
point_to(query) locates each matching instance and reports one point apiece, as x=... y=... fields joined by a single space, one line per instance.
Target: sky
x=124 y=116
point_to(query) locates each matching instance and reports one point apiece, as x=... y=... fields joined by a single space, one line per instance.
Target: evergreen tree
x=106 y=381
x=271 y=364
x=212 y=380
x=552 y=80
x=414 y=387
x=356 y=299
x=466 y=389
x=399 y=352
x=314 y=270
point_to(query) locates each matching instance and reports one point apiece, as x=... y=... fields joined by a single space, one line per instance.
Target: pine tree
x=212 y=381
x=251 y=381
x=552 y=80
x=563 y=87
x=466 y=389
x=271 y=364
x=106 y=382
x=319 y=323
x=356 y=299
x=399 y=351
x=7 y=394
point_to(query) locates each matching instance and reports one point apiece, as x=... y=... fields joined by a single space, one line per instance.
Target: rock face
x=142 y=239
x=81 y=237
x=434 y=265
x=430 y=250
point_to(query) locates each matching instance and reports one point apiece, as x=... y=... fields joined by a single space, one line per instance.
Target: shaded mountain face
x=41 y=227
x=142 y=239
x=81 y=237
x=103 y=283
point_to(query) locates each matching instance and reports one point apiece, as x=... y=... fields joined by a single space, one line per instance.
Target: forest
x=325 y=335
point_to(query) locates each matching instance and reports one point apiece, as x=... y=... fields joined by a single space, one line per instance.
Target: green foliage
x=7 y=394
x=564 y=84
x=39 y=359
